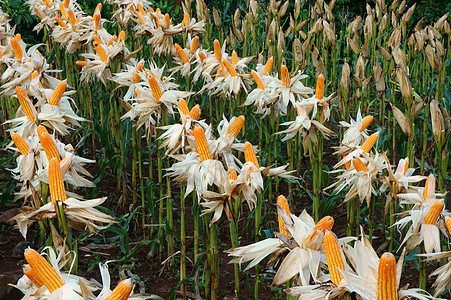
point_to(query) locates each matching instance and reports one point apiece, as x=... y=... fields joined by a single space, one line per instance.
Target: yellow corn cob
x=366 y=122
x=257 y=79
x=96 y=18
x=70 y=12
x=97 y=40
x=236 y=126
x=43 y=270
x=185 y=19
x=202 y=56
x=234 y=58
x=429 y=187
x=229 y=68
x=110 y=42
x=28 y=271
x=48 y=144
x=25 y=103
x=101 y=52
x=285 y=75
x=282 y=201
x=434 y=212
x=324 y=224
x=319 y=94
x=56 y=184
x=232 y=174
x=217 y=48
x=65 y=164
x=151 y=9
x=167 y=19
x=155 y=87
x=333 y=256
x=122 y=290
x=60 y=22
x=359 y=165
x=16 y=48
x=34 y=75
x=268 y=65
x=194 y=44
x=183 y=107
x=81 y=63
x=348 y=163
x=201 y=144
x=122 y=35
x=195 y=113
x=58 y=93
x=137 y=92
x=20 y=143
x=249 y=154
x=181 y=53
x=63 y=10
x=140 y=17
x=406 y=166
x=369 y=143
x=48 y=3
x=448 y=224
x=39 y=12
x=66 y=3
x=18 y=37
x=386 y=278
x=141 y=9
x=114 y=39
x=98 y=8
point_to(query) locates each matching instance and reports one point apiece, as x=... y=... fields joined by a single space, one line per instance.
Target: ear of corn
x=369 y=143
x=217 y=49
x=195 y=113
x=366 y=122
x=268 y=65
x=63 y=10
x=70 y=12
x=406 y=165
x=429 y=188
x=20 y=143
x=16 y=48
x=43 y=270
x=202 y=144
x=58 y=93
x=202 y=56
x=324 y=224
x=101 y=52
x=60 y=22
x=333 y=256
x=122 y=290
x=359 y=165
x=183 y=107
x=232 y=174
x=140 y=17
x=81 y=63
x=122 y=35
x=181 y=53
x=236 y=126
x=98 y=9
x=319 y=93
x=28 y=271
x=155 y=87
x=185 y=19
x=194 y=44
x=48 y=3
x=65 y=164
x=234 y=58
x=25 y=103
x=48 y=144
x=386 y=278
x=285 y=75
x=434 y=212
x=448 y=224
x=229 y=68
x=56 y=184
x=348 y=163
x=39 y=12
x=282 y=201
x=249 y=154
x=141 y=9
x=257 y=80
x=96 y=18
x=167 y=19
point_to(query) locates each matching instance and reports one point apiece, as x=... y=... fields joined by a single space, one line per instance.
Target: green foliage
x=19 y=13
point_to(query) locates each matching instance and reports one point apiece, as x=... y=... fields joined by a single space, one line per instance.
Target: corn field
x=267 y=150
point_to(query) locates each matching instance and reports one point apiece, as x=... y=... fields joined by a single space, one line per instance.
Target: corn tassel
x=96 y=18
x=369 y=143
x=324 y=224
x=26 y=104
x=48 y=144
x=359 y=165
x=43 y=270
x=232 y=174
x=101 y=52
x=268 y=65
x=28 y=271
x=122 y=290
x=56 y=184
x=181 y=53
x=155 y=87
x=81 y=63
x=20 y=143
x=183 y=107
x=202 y=144
x=229 y=68
x=194 y=44
x=16 y=48
x=366 y=122
x=282 y=201
x=429 y=188
x=236 y=126
x=434 y=212
x=285 y=75
x=249 y=154
x=257 y=79
x=448 y=224
x=58 y=93
x=333 y=256
x=195 y=113
x=185 y=19
x=217 y=48
x=386 y=278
